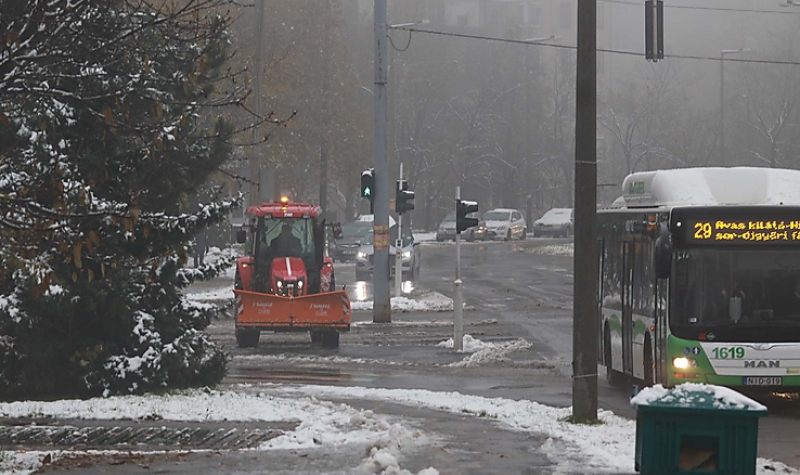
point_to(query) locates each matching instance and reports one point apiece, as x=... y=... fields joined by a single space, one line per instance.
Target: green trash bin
x=696 y=428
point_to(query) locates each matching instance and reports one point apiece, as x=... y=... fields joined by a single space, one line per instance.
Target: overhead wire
x=599 y=50
x=704 y=8
x=405 y=48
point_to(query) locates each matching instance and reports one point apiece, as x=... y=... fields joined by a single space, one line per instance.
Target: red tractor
x=285 y=282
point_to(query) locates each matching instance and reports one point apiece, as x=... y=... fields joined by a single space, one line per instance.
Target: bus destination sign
x=721 y=231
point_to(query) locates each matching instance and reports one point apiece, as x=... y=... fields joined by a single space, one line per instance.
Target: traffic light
x=368 y=187
x=463 y=208
x=654 y=30
x=404 y=198
x=368 y=184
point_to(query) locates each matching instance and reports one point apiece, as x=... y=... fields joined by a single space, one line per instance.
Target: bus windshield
x=736 y=294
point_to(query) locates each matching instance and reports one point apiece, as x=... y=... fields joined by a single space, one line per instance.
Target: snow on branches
x=106 y=126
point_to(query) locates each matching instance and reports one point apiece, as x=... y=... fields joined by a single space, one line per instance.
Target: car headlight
x=361 y=255
x=406 y=255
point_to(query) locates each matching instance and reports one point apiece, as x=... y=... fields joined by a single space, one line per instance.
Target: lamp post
x=722 y=54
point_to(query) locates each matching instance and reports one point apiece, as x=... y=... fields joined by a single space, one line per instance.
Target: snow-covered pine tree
x=101 y=134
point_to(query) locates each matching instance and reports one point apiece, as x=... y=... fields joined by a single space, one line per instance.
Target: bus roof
x=710 y=186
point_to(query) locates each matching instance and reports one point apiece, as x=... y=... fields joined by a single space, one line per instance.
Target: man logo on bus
x=762 y=364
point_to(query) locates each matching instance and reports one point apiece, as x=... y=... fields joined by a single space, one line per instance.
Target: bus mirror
x=663 y=254
x=241 y=235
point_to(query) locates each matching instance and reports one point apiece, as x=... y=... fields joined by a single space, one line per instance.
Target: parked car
x=447 y=230
x=556 y=222
x=505 y=223
x=411 y=256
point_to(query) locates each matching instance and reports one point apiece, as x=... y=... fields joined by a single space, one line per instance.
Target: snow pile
x=22 y=463
x=567 y=249
x=469 y=344
x=690 y=394
x=608 y=446
x=492 y=353
x=428 y=302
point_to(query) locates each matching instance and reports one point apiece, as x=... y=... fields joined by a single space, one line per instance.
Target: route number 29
x=731 y=353
x=702 y=230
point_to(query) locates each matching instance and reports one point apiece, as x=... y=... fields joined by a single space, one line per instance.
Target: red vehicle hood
x=288 y=268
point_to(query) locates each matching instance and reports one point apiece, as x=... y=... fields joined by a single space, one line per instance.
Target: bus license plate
x=763 y=381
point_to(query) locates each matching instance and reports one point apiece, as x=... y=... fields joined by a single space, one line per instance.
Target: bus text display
x=721 y=231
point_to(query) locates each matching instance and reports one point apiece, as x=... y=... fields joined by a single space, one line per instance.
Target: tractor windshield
x=287 y=237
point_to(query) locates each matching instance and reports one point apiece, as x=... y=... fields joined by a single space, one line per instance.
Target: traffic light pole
x=381 y=308
x=398 y=245
x=458 y=299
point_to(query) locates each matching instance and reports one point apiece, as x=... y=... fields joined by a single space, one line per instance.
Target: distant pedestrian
x=200 y=247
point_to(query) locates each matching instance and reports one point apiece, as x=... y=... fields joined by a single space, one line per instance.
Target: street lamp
x=722 y=54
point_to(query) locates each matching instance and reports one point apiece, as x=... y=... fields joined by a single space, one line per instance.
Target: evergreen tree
x=100 y=138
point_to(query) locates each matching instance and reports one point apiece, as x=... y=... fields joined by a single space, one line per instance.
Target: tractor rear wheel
x=247 y=338
x=330 y=339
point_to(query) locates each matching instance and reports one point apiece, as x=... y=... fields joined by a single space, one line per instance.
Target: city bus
x=699 y=278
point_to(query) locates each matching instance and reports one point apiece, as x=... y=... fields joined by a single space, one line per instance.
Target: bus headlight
x=682 y=362
x=299 y=284
x=280 y=284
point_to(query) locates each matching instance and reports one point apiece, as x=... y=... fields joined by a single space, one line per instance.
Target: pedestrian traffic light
x=463 y=208
x=404 y=198
x=368 y=184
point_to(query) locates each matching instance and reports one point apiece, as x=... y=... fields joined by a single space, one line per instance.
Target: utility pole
x=585 y=319
x=255 y=162
x=381 y=308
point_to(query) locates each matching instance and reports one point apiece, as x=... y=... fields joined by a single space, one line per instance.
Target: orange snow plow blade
x=273 y=312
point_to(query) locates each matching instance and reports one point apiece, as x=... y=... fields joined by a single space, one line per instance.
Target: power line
x=599 y=50
x=713 y=9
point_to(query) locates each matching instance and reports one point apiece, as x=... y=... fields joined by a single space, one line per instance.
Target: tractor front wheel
x=330 y=339
x=247 y=338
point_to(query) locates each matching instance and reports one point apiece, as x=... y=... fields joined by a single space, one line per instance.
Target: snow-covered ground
x=427 y=302
x=573 y=448
x=216 y=294
x=606 y=447
x=321 y=424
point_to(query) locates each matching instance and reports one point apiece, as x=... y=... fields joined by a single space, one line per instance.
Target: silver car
x=411 y=257
x=556 y=222
x=505 y=223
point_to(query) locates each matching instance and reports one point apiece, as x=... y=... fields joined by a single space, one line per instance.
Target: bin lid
x=696 y=396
